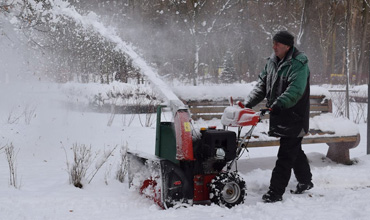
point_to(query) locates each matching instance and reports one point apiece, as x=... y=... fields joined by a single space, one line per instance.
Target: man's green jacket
x=285 y=85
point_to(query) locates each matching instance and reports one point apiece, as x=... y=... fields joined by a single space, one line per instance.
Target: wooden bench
x=339 y=145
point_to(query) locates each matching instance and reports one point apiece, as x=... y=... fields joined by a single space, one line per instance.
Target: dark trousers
x=290 y=156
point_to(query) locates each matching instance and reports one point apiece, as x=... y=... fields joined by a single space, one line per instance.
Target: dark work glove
x=248 y=106
x=275 y=109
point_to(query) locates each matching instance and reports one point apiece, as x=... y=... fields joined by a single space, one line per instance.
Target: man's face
x=280 y=49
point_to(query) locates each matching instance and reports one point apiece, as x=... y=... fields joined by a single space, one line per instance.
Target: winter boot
x=271 y=197
x=301 y=187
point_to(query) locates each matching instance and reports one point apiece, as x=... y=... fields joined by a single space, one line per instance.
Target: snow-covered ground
x=43 y=145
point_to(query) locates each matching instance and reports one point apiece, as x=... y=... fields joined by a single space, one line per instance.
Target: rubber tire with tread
x=227 y=189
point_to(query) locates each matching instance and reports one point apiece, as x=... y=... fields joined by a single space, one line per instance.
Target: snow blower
x=190 y=170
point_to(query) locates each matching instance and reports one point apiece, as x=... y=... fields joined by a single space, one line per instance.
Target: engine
x=215 y=148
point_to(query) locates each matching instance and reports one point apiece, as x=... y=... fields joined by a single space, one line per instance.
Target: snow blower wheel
x=227 y=189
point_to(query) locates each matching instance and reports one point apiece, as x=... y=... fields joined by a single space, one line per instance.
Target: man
x=284 y=82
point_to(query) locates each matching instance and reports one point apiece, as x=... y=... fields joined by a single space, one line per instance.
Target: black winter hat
x=284 y=37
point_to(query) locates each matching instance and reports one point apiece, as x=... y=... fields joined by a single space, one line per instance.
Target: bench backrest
x=206 y=109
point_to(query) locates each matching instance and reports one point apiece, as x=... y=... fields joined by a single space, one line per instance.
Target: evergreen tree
x=228 y=74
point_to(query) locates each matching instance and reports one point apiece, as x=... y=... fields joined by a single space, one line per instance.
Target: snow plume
x=91 y=22
x=16 y=59
x=87 y=26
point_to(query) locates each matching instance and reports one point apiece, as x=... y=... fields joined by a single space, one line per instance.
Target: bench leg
x=339 y=152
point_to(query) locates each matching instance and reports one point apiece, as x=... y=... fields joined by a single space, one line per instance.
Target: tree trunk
x=302 y=37
x=352 y=37
x=332 y=66
x=363 y=43
x=348 y=19
x=196 y=63
x=368 y=114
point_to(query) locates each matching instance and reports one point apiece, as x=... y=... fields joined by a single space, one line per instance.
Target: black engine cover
x=214 y=139
x=205 y=150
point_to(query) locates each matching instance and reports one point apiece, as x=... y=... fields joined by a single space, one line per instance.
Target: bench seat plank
x=306 y=140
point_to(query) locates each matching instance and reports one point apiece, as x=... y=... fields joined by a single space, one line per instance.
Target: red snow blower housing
x=193 y=167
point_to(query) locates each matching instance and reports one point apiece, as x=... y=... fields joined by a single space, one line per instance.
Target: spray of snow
x=91 y=21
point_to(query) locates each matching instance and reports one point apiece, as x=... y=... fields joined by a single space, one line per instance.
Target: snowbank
x=213 y=92
x=329 y=123
x=224 y=91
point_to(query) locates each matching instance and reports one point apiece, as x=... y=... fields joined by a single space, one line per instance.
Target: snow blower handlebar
x=250 y=118
x=263 y=110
